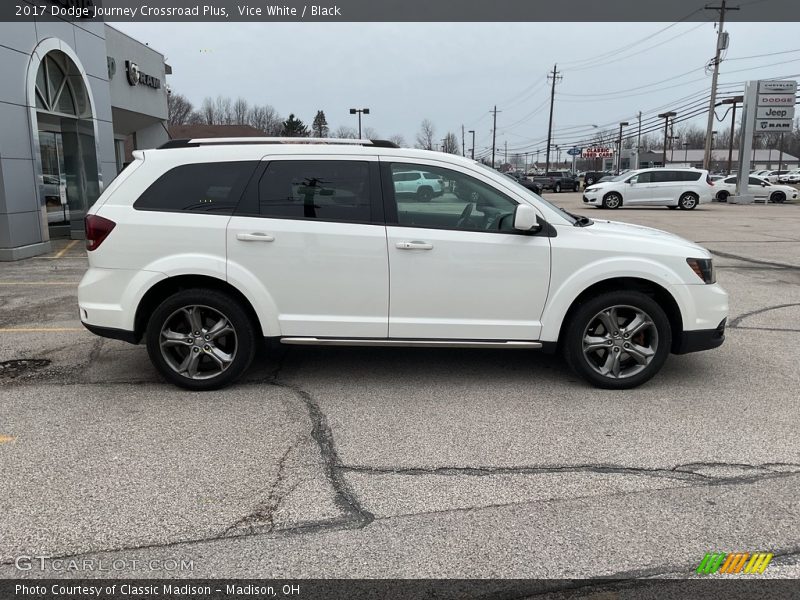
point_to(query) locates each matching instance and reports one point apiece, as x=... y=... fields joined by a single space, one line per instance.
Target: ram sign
x=597 y=153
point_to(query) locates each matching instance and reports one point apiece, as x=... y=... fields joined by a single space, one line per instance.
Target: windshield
x=620 y=177
x=523 y=190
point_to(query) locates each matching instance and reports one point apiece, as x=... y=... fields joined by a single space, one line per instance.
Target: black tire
x=723 y=196
x=557 y=188
x=241 y=342
x=577 y=187
x=688 y=201
x=612 y=200
x=588 y=182
x=778 y=198
x=424 y=194
x=585 y=364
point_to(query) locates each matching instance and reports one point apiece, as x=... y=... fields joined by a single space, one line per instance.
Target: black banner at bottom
x=399 y=589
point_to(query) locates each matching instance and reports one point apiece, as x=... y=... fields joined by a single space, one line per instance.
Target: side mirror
x=525 y=219
x=633 y=180
x=763 y=184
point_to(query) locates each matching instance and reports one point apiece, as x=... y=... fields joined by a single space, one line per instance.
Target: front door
x=458 y=269
x=309 y=239
x=639 y=189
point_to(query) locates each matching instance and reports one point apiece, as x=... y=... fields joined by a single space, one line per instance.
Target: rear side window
x=329 y=190
x=690 y=175
x=211 y=188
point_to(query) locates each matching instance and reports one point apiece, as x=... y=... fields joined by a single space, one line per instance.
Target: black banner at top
x=591 y=11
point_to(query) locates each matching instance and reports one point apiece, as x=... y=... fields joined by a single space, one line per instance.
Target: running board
x=310 y=341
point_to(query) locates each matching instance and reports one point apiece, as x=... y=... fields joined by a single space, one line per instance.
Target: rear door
x=309 y=239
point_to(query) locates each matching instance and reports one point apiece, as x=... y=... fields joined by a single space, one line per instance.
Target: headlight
x=703 y=268
x=590 y=189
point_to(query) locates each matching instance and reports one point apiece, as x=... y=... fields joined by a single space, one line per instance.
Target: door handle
x=255 y=237
x=414 y=246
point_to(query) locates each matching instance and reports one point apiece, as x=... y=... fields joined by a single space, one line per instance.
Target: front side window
x=458 y=201
x=646 y=177
x=327 y=190
x=212 y=188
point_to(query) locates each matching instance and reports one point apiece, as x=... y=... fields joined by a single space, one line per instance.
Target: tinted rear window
x=328 y=190
x=213 y=188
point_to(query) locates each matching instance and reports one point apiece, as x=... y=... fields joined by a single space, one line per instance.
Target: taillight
x=97 y=230
x=709 y=181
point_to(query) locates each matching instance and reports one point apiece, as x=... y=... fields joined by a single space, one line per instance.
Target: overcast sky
x=454 y=73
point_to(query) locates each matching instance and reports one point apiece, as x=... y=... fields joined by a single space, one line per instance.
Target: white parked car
x=675 y=188
x=773 y=176
x=204 y=248
x=421 y=184
x=792 y=177
x=759 y=188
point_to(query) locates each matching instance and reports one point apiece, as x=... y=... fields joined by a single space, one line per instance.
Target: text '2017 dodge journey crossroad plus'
x=204 y=247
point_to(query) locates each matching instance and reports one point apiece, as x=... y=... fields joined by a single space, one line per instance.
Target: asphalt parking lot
x=333 y=462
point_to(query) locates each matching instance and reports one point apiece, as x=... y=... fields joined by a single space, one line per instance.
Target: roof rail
x=194 y=143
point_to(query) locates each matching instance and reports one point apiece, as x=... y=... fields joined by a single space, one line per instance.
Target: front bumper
x=704 y=339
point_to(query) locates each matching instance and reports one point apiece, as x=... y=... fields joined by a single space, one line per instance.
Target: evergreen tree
x=294 y=127
x=320 y=125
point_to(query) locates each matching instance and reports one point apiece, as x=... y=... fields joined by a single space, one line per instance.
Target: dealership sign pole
x=768 y=108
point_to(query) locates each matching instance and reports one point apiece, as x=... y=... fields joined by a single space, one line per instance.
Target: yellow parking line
x=4 y=439
x=66 y=248
x=40 y=329
x=75 y=283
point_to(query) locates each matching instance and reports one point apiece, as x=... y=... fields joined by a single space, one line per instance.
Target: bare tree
x=241 y=111
x=266 y=119
x=344 y=132
x=426 y=135
x=450 y=143
x=398 y=139
x=224 y=109
x=208 y=111
x=370 y=133
x=180 y=110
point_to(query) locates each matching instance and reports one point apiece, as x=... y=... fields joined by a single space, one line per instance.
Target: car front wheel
x=612 y=200
x=617 y=340
x=778 y=198
x=201 y=339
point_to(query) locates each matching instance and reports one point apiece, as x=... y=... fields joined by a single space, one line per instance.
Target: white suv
x=204 y=247
x=675 y=188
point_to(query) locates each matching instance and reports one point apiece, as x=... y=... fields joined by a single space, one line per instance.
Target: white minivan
x=204 y=248
x=674 y=188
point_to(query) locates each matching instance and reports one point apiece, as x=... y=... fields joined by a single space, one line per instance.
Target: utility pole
x=505 y=160
x=619 y=146
x=780 y=157
x=555 y=78
x=472 y=131
x=463 y=143
x=494 y=133
x=639 y=142
x=722 y=44
x=666 y=116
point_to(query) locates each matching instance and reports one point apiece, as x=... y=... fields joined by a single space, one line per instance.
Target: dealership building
x=72 y=95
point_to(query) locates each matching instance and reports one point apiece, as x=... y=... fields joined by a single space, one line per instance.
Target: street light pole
x=472 y=131
x=666 y=116
x=359 y=112
x=619 y=146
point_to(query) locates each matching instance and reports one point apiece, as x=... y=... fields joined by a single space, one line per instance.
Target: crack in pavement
x=735 y=323
x=265 y=511
x=775 y=265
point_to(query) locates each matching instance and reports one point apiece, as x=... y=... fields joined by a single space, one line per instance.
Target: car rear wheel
x=424 y=194
x=778 y=198
x=688 y=201
x=557 y=188
x=577 y=187
x=201 y=339
x=617 y=340
x=723 y=196
x=612 y=200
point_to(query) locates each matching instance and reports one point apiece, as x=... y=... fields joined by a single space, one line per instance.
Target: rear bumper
x=703 y=339
x=112 y=333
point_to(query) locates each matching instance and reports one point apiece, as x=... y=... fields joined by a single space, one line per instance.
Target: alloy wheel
x=198 y=342
x=620 y=341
